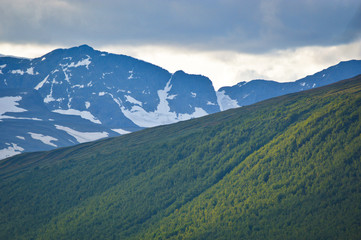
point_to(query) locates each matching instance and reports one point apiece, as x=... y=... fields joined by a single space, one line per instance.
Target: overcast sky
x=227 y=40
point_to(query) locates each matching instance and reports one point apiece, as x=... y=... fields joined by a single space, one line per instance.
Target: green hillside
x=285 y=168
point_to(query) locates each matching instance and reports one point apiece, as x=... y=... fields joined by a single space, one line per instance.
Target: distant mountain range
x=246 y=93
x=70 y=96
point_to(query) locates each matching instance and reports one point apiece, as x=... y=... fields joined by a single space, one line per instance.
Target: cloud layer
x=248 y=26
x=227 y=40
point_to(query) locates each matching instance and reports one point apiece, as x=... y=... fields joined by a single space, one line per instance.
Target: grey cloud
x=249 y=26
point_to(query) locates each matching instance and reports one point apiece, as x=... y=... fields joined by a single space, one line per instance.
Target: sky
x=228 y=41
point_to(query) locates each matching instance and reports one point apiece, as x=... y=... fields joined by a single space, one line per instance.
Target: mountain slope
x=303 y=184
x=285 y=168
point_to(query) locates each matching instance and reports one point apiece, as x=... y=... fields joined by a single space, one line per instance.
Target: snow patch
x=194 y=94
x=85 y=62
x=78 y=86
x=30 y=71
x=49 y=97
x=83 y=114
x=131 y=75
x=198 y=112
x=303 y=84
x=18 y=71
x=10 y=104
x=120 y=131
x=101 y=94
x=12 y=150
x=225 y=102
x=117 y=101
x=40 y=84
x=87 y=104
x=43 y=58
x=82 y=137
x=19 y=118
x=133 y=100
x=211 y=103
x=20 y=137
x=1 y=68
x=69 y=101
x=171 y=97
x=66 y=75
x=45 y=139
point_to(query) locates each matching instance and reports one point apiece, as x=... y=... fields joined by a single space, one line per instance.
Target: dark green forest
x=285 y=168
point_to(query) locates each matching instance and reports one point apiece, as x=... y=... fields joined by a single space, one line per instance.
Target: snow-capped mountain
x=113 y=90
x=81 y=90
x=70 y=96
x=246 y=93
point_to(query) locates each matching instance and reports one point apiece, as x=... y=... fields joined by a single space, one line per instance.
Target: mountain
x=136 y=94
x=70 y=96
x=110 y=95
x=285 y=168
x=246 y=93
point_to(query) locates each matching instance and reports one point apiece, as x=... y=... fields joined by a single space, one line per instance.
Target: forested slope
x=285 y=168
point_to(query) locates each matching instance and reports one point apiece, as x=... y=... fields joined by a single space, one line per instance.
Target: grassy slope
x=304 y=184
x=288 y=167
